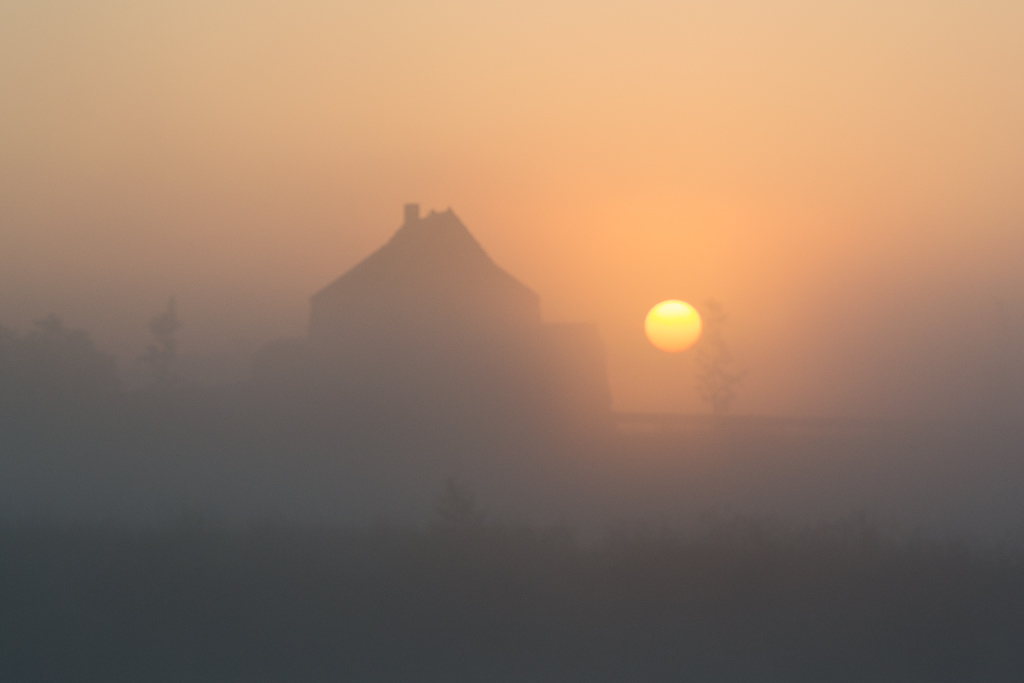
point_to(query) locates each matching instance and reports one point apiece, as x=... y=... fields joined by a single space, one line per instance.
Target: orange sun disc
x=673 y=326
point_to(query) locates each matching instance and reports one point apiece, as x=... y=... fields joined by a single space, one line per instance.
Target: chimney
x=412 y=213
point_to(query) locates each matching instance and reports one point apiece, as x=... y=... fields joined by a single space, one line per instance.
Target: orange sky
x=846 y=178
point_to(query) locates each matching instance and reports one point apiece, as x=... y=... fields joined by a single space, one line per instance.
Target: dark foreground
x=736 y=601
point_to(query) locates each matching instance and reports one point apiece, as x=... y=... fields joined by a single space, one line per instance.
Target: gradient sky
x=846 y=178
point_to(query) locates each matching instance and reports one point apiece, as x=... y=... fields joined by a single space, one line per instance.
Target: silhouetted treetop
x=161 y=354
x=53 y=361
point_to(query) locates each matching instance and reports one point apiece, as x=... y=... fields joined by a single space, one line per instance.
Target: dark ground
x=461 y=601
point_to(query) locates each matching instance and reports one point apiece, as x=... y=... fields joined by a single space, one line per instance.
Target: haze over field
x=324 y=340
x=846 y=179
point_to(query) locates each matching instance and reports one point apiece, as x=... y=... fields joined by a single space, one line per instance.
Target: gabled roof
x=433 y=261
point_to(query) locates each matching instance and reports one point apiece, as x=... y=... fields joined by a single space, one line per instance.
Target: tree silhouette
x=456 y=507
x=161 y=354
x=717 y=378
x=54 y=363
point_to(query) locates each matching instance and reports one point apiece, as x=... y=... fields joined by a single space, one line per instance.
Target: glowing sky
x=846 y=178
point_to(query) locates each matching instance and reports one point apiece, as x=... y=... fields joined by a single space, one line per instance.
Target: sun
x=673 y=326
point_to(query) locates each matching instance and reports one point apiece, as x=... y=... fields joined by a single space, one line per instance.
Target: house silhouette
x=429 y=321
